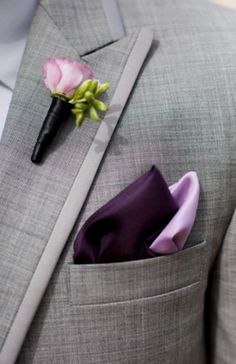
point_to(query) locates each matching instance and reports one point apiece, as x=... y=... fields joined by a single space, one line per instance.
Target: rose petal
x=71 y=76
x=63 y=74
x=86 y=70
x=52 y=74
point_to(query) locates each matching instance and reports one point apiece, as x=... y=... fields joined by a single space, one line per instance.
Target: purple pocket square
x=144 y=220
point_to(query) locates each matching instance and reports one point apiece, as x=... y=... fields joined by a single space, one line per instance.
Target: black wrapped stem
x=58 y=112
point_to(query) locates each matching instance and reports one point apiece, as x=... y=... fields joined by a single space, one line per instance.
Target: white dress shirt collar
x=15 y=20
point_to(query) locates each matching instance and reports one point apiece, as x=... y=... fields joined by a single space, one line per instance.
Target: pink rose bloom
x=64 y=75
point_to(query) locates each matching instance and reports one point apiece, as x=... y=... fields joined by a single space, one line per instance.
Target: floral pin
x=73 y=90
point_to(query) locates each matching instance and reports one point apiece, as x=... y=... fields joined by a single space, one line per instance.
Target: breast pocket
x=116 y=282
x=138 y=311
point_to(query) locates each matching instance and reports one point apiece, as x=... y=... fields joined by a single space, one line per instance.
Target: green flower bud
x=88 y=96
x=102 y=88
x=84 y=100
x=93 y=114
x=80 y=91
x=93 y=86
x=81 y=105
x=79 y=119
x=100 y=105
x=75 y=111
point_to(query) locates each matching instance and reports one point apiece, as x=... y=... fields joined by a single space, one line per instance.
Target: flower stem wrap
x=58 y=112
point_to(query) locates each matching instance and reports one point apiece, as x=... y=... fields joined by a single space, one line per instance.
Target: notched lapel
x=88 y=25
x=33 y=196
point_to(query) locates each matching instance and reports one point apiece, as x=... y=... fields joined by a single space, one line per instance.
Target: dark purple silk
x=124 y=228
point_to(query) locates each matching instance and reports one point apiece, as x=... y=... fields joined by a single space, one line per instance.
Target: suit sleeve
x=222 y=309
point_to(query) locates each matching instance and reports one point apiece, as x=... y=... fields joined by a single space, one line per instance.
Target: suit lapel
x=88 y=25
x=32 y=197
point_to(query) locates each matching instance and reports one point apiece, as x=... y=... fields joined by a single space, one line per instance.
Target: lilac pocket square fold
x=144 y=220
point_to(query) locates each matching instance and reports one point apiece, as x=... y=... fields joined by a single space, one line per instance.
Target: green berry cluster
x=85 y=101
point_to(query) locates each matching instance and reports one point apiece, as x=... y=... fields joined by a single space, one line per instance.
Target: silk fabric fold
x=144 y=220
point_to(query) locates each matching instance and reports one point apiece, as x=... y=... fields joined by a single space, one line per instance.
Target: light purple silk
x=173 y=237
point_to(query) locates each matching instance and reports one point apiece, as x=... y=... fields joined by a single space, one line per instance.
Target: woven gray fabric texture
x=180 y=117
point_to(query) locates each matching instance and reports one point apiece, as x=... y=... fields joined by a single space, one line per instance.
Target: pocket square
x=144 y=220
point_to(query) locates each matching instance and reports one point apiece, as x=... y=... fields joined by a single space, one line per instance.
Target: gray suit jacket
x=180 y=116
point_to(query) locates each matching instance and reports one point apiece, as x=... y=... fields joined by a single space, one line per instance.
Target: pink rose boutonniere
x=73 y=90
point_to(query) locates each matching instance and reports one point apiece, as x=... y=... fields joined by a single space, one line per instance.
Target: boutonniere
x=73 y=90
